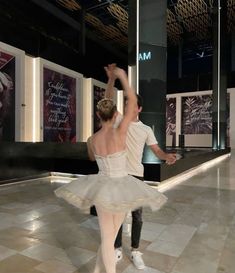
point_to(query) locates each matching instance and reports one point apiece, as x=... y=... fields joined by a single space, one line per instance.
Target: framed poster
x=98 y=94
x=11 y=93
x=170 y=116
x=57 y=103
x=171 y=121
x=93 y=90
x=197 y=114
x=59 y=106
x=228 y=120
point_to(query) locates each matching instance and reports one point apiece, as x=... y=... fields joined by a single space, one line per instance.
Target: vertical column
x=178 y=118
x=220 y=56
x=180 y=49
x=133 y=36
x=148 y=57
x=232 y=51
x=82 y=34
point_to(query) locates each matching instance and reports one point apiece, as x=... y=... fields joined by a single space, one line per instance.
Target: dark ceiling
x=101 y=26
x=107 y=20
x=187 y=20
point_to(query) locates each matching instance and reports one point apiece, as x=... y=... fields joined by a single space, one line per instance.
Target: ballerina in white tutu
x=112 y=190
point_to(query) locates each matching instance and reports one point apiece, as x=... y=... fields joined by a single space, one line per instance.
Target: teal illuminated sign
x=145 y=56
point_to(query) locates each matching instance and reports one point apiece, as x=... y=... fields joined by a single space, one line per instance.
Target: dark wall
x=22 y=160
x=195 y=57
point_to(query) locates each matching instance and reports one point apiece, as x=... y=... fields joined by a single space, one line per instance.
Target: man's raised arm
x=109 y=92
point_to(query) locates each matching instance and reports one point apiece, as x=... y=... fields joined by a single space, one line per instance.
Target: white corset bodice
x=113 y=165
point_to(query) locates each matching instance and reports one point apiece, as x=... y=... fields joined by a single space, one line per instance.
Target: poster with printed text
x=7 y=97
x=197 y=114
x=99 y=94
x=59 y=107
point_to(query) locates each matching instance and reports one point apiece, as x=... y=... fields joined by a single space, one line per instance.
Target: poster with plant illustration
x=170 y=116
x=197 y=114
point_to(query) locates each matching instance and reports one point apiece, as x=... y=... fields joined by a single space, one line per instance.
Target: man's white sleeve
x=151 y=139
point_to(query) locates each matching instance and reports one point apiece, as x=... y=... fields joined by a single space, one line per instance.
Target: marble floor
x=192 y=233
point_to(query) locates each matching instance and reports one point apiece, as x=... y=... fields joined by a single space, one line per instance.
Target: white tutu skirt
x=113 y=194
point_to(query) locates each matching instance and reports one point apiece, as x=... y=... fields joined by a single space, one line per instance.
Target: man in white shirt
x=138 y=135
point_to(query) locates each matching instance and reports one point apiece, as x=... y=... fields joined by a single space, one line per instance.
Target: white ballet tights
x=109 y=225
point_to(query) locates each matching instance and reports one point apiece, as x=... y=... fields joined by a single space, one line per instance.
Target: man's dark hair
x=139 y=100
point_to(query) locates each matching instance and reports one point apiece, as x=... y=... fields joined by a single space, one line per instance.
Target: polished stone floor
x=193 y=233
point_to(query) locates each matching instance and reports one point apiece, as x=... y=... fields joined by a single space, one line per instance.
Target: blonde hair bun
x=106 y=109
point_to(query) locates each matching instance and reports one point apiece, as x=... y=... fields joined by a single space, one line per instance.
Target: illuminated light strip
x=34 y=101
x=161 y=186
x=120 y=104
x=9 y=183
x=54 y=177
x=218 y=105
x=171 y=182
x=64 y=178
x=71 y=175
x=137 y=44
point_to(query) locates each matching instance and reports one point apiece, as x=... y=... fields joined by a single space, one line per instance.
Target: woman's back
x=108 y=141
